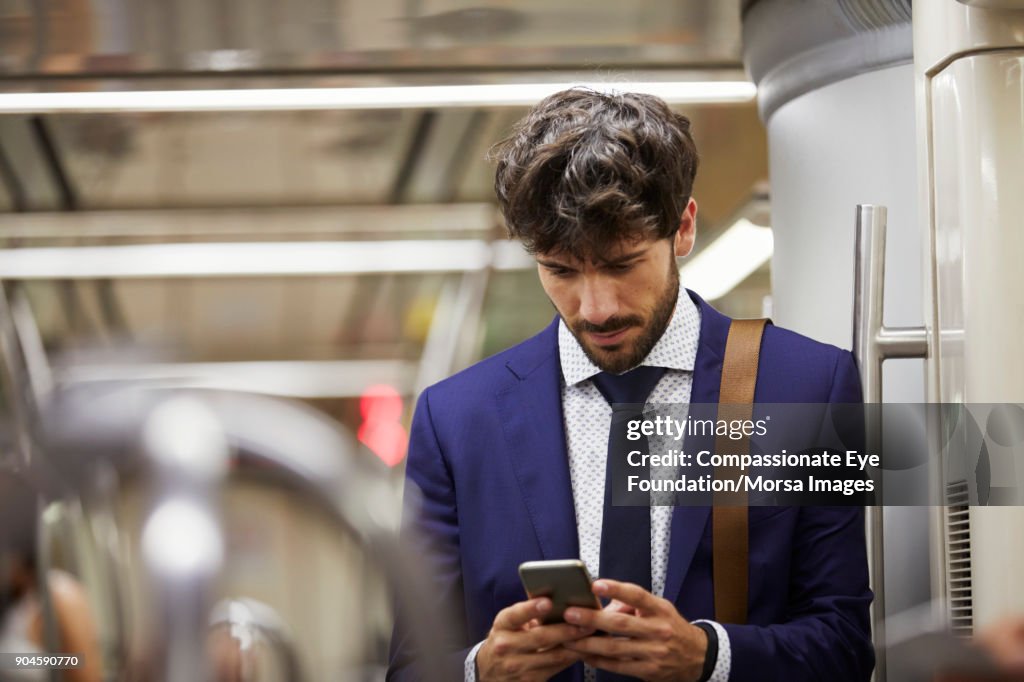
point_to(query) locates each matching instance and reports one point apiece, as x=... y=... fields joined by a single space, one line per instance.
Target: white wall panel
x=847 y=143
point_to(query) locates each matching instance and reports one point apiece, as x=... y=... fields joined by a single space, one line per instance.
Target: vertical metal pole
x=458 y=314
x=869 y=289
x=869 y=279
x=873 y=343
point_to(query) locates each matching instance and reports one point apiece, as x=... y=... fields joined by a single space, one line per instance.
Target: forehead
x=618 y=250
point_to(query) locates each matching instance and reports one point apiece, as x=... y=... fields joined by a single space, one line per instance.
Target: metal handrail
x=295 y=446
x=260 y=621
x=873 y=343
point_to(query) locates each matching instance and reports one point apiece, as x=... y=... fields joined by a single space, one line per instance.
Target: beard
x=625 y=356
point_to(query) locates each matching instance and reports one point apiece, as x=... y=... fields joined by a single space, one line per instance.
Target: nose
x=599 y=300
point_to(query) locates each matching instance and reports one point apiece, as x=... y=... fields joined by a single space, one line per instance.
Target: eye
x=559 y=270
x=620 y=267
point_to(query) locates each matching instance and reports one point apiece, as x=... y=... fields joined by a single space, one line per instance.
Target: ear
x=687 y=233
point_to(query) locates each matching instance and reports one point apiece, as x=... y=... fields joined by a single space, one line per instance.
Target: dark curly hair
x=585 y=169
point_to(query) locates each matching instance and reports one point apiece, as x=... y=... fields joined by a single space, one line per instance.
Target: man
x=510 y=454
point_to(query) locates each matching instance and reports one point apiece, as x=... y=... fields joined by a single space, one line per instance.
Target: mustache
x=612 y=324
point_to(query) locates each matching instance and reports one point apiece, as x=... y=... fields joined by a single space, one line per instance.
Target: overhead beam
x=261 y=222
x=260 y=259
x=289 y=379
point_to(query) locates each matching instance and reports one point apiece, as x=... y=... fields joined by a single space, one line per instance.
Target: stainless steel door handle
x=873 y=343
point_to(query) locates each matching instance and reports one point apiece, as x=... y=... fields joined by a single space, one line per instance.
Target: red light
x=382 y=431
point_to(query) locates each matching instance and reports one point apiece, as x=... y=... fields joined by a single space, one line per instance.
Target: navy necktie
x=626 y=530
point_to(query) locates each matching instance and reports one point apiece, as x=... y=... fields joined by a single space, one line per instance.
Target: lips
x=609 y=338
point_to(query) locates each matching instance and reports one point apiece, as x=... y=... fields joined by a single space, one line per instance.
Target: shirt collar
x=674 y=350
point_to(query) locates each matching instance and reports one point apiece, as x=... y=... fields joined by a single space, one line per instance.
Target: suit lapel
x=531 y=409
x=689 y=523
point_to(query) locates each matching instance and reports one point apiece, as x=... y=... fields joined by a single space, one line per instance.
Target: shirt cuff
x=723 y=666
x=470 y=667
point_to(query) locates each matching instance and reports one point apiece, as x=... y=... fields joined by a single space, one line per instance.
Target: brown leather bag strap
x=729 y=530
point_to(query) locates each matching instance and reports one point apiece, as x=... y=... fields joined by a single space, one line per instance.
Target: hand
x=652 y=642
x=519 y=647
x=1004 y=642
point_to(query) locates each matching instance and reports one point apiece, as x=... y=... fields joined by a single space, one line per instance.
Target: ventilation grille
x=867 y=15
x=958 y=559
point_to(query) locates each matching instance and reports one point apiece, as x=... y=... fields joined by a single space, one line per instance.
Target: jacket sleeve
x=430 y=525
x=827 y=635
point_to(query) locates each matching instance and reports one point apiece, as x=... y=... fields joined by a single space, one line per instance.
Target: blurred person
x=1003 y=642
x=510 y=455
x=21 y=611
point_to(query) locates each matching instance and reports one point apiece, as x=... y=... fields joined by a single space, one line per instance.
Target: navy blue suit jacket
x=488 y=452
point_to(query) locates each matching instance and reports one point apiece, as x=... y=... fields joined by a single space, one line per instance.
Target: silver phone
x=565 y=581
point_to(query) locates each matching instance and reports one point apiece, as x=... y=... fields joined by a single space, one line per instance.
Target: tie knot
x=632 y=387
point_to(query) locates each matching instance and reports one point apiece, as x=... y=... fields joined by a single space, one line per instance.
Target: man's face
x=616 y=305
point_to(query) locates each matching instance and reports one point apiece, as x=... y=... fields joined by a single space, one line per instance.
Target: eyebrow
x=625 y=258
x=619 y=260
x=552 y=264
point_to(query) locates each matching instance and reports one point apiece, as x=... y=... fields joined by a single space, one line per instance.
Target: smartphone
x=565 y=581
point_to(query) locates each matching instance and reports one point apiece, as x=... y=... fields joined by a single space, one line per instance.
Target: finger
x=516 y=664
x=616 y=606
x=549 y=662
x=547 y=636
x=518 y=615
x=614 y=622
x=515 y=642
x=558 y=666
x=616 y=647
x=616 y=665
x=628 y=593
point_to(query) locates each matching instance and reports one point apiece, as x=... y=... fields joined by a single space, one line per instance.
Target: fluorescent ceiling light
x=291 y=99
x=728 y=260
x=260 y=259
x=287 y=378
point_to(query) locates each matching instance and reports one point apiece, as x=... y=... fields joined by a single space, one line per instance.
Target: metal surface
x=255 y=623
x=24 y=369
x=969 y=61
x=183 y=543
x=274 y=176
x=24 y=393
x=39 y=378
x=186 y=439
x=174 y=36
x=793 y=47
x=994 y=4
x=947 y=31
x=459 y=309
x=296 y=223
x=872 y=344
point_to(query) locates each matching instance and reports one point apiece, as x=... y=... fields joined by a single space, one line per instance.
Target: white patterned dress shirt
x=588 y=417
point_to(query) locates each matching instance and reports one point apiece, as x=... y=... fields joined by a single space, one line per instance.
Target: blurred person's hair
x=585 y=170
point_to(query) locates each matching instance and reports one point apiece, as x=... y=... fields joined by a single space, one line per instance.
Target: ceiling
x=170 y=37
x=95 y=179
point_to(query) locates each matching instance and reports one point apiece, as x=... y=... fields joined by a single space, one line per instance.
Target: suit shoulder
x=495 y=371
x=786 y=342
x=796 y=368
